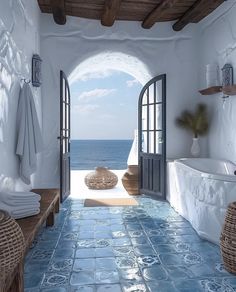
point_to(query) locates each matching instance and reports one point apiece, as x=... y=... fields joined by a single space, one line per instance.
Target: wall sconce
x=36 y=70
x=227 y=77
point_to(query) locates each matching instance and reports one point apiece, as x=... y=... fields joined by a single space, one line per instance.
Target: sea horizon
x=87 y=154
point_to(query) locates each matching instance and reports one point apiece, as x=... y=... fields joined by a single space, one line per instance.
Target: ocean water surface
x=88 y=154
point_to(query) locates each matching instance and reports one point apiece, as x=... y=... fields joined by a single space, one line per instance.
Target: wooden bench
x=50 y=202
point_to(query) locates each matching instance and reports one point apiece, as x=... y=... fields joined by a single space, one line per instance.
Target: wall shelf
x=227 y=90
x=211 y=90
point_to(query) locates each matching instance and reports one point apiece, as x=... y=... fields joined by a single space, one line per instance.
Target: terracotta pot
x=101 y=179
x=130 y=180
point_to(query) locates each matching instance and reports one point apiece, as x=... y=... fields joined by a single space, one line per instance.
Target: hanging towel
x=29 y=137
x=19 y=198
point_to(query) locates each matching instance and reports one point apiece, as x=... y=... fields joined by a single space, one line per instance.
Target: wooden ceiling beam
x=58 y=10
x=157 y=12
x=196 y=12
x=110 y=11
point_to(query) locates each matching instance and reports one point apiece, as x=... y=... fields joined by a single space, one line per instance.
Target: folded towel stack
x=20 y=204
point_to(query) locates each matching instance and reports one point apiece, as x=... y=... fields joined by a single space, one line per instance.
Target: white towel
x=29 y=138
x=21 y=211
x=19 y=198
x=25 y=214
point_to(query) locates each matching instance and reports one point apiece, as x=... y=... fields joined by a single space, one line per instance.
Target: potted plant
x=197 y=123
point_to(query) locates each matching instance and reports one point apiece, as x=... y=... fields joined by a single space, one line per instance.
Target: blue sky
x=104 y=106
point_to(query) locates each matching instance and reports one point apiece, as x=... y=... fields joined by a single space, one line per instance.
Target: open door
x=152 y=138
x=64 y=137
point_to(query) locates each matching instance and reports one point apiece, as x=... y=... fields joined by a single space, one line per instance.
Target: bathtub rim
x=205 y=174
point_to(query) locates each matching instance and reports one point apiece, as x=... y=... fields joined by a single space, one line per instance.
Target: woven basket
x=12 y=245
x=101 y=179
x=228 y=239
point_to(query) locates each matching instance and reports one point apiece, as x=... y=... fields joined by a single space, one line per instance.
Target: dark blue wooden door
x=152 y=138
x=64 y=136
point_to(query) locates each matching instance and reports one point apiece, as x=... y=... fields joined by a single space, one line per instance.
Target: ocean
x=88 y=154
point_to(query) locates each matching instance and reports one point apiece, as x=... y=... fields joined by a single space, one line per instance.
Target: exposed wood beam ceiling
x=58 y=11
x=110 y=12
x=148 y=12
x=196 y=13
x=157 y=12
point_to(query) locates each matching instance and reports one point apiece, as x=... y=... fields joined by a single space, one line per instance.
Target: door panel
x=152 y=137
x=64 y=136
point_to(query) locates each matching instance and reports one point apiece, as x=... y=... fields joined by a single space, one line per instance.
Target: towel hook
x=25 y=80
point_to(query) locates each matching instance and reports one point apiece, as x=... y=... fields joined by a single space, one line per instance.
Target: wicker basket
x=101 y=179
x=12 y=245
x=228 y=239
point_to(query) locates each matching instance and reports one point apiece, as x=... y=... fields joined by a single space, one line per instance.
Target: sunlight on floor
x=79 y=189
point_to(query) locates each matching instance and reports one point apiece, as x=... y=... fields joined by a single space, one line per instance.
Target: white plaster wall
x=217 y=39
x=161 y=49
x=19 y=39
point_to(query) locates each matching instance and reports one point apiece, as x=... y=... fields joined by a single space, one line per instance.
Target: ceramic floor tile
x=57 y=289
x=134 y=287
x=55 y=280
x=84 y=264
x=125 y=249
x=107 y=277
x=162 y=286
x=105 y=263
x=64 y=253
x=83 y=277
x=33 y=281
x=104 y=252
x=85 y=288
x=130 y=275
x=154 y=273
x=85 y=253
x=61 y=265
x=109 y=288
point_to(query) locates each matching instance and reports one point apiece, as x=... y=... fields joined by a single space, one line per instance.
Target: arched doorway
x=103 y=62
x=103 y=65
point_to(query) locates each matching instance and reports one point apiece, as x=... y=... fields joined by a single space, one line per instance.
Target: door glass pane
x=144 y=142
x=151 y=117
x=158 y=91
x=159 y=142
x=159 y=116
x=67 y=117
x=63 y=115
x=144 y=117
x=145 y=97
x=151 y=142
x=67 y=96
x=63 y=146
x=151 y=93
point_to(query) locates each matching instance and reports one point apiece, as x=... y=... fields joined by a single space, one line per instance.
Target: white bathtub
x=200 y=190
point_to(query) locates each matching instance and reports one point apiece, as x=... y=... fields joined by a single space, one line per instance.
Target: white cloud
x=96 y=75
x=131 y=83
x=95 y=93
x=84 y=109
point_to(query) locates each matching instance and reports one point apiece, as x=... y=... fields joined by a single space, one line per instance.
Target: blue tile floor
x=123 y=249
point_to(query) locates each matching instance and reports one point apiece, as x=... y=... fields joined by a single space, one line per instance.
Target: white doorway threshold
x=80 y=191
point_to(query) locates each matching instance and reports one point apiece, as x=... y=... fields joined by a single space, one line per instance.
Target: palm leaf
x=196 y=122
